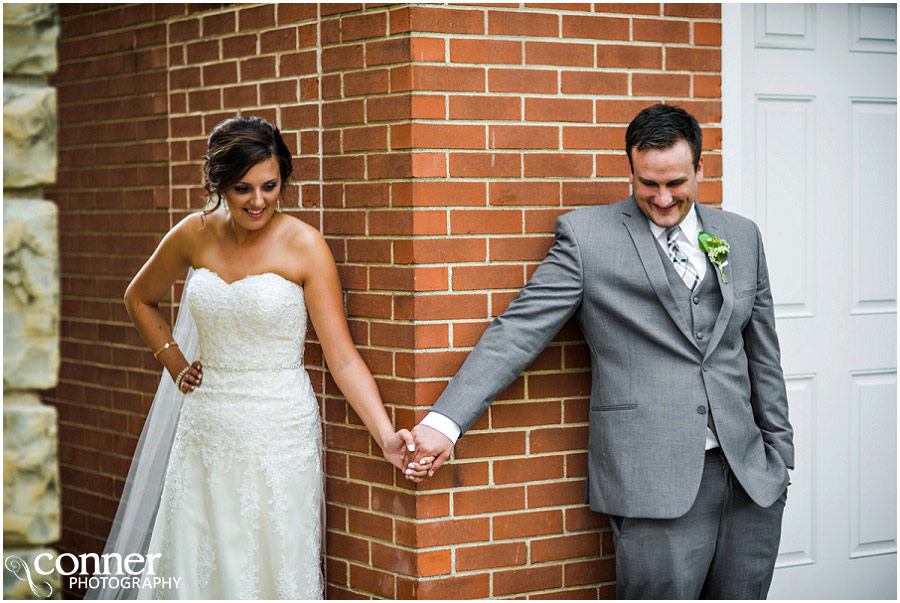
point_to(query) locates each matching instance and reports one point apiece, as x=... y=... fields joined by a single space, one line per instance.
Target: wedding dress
x=241 y=509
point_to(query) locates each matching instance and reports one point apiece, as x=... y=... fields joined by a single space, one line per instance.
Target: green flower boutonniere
x=715 y=249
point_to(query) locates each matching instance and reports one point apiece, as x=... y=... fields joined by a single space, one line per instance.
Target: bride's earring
x=278 y=207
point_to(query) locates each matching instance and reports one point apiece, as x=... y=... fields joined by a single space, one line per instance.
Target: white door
x=810 y=152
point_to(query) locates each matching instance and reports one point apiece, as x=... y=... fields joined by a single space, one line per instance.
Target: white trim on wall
x=732 y=101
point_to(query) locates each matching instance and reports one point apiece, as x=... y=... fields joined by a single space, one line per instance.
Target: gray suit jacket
x=646 y=436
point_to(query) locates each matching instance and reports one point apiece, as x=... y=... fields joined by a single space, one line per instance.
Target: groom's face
x=664 y=182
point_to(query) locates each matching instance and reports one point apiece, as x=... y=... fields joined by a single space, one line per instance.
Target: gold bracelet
x=164 y=346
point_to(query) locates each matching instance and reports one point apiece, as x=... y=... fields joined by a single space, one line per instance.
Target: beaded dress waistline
x=235 y=368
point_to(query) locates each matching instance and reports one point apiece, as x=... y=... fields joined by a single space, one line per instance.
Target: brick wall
x=434 y=148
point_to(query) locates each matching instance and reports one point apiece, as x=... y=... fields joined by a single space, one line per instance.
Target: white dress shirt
x=687 y=242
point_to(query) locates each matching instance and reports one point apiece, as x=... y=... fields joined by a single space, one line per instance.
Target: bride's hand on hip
x=396 y=449
x=192 y=379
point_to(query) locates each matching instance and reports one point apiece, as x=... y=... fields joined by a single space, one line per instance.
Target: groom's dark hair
x=660 y=127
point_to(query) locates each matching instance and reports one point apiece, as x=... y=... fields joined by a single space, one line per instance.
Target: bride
x=239 y=514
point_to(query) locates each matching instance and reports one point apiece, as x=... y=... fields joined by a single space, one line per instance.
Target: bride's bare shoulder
x=195 y=230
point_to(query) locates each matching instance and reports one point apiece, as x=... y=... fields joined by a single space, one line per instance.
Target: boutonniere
x=715 y=249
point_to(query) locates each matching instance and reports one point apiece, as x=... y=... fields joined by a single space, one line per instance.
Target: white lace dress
x=241 y=509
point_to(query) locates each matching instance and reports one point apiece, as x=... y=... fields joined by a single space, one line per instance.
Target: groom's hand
x=431 y=443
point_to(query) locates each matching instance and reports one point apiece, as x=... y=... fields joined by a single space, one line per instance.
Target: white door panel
x=810 y=146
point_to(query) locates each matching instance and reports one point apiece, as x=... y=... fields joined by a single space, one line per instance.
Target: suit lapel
x=637 y=226
x=712 y=223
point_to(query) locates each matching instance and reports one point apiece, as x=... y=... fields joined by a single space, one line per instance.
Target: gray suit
x=652 y=383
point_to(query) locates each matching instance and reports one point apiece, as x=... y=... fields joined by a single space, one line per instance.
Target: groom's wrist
x=444 y=424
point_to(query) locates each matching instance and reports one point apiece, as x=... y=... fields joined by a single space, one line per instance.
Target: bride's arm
x=324 y=301
x=170 y=260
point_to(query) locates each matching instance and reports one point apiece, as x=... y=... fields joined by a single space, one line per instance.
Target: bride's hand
x=396 y=449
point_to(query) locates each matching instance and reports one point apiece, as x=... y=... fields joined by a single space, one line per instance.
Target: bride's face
x=252 y=200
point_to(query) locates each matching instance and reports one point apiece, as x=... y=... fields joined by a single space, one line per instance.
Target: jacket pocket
x=615 y=405
x=745 y=293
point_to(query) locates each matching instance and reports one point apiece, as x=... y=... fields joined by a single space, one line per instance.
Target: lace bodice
x=255 y=323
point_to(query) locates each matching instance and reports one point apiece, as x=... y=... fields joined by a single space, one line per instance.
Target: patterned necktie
x=683 y=265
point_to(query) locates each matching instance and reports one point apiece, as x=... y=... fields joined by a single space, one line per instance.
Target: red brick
x=708 y=86
x=298 y=63
x=491 y=555
x=341 y=545
x=445 y=136
x=589 y=572
x=200 y=52
x=525 y=580
x=558 y=109
x=365 y=139
x=257 y=68
x=693 y=59
x=488 y=165
x=221 y=73
x=429 y=194
x=627 y=7
x=369 y=524
x=439 y=251
x=593 y=137
x=558 y=493
x=704 y=111
x=338 y=8
x=612 y=165
x=485 y=107
x=521 y=80
x=445 y=20
x=277 y=93
x=522 y=193
x=582 y=518
x=342 y=57
x=424 y=50
x=475 y=502
x=343 y=112
x=457 y=475
x=492 y=221
x=707 y=34
x=384 y=52
x=713 y=11
x=291 y=13
x=523 y=137
x=558 y=165
x=475 y=586
x=277 y=40
x=358 y=27
x=373 y=581
x=486 y=51
x=487 y=277
x=454 y=531
x=630 y=57
x=660 y=84
x=239 y=46
x=460 y=79
x=621 y=111
x=359 y=83
x=557 y=439
x=559 y=5
x=526 y=470
x=559 y=53
x=256 y=18
x=239 y=96
x=441 y=307
x=525 y=414
x=662 y=30
x=343 y=168
x=594 y=82
x=600 y=28
x=514 y=23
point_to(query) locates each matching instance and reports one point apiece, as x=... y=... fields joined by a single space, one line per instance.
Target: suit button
x=696 y=299
x=705 y=368
x=698 y=335
x=701 y=410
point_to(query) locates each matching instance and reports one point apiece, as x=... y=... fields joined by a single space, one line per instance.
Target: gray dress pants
x=724 y=547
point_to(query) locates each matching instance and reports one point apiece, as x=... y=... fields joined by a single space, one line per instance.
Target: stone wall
x=31 y=509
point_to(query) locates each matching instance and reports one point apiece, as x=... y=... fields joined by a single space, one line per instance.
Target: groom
x=689 y=439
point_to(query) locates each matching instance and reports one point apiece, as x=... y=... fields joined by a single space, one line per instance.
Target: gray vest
x=700 y=308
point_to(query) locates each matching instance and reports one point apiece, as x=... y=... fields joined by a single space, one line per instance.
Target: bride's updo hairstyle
x=236 y=145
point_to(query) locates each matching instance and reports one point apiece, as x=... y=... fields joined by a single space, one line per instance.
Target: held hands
x=398 y=449
x=431 y=447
